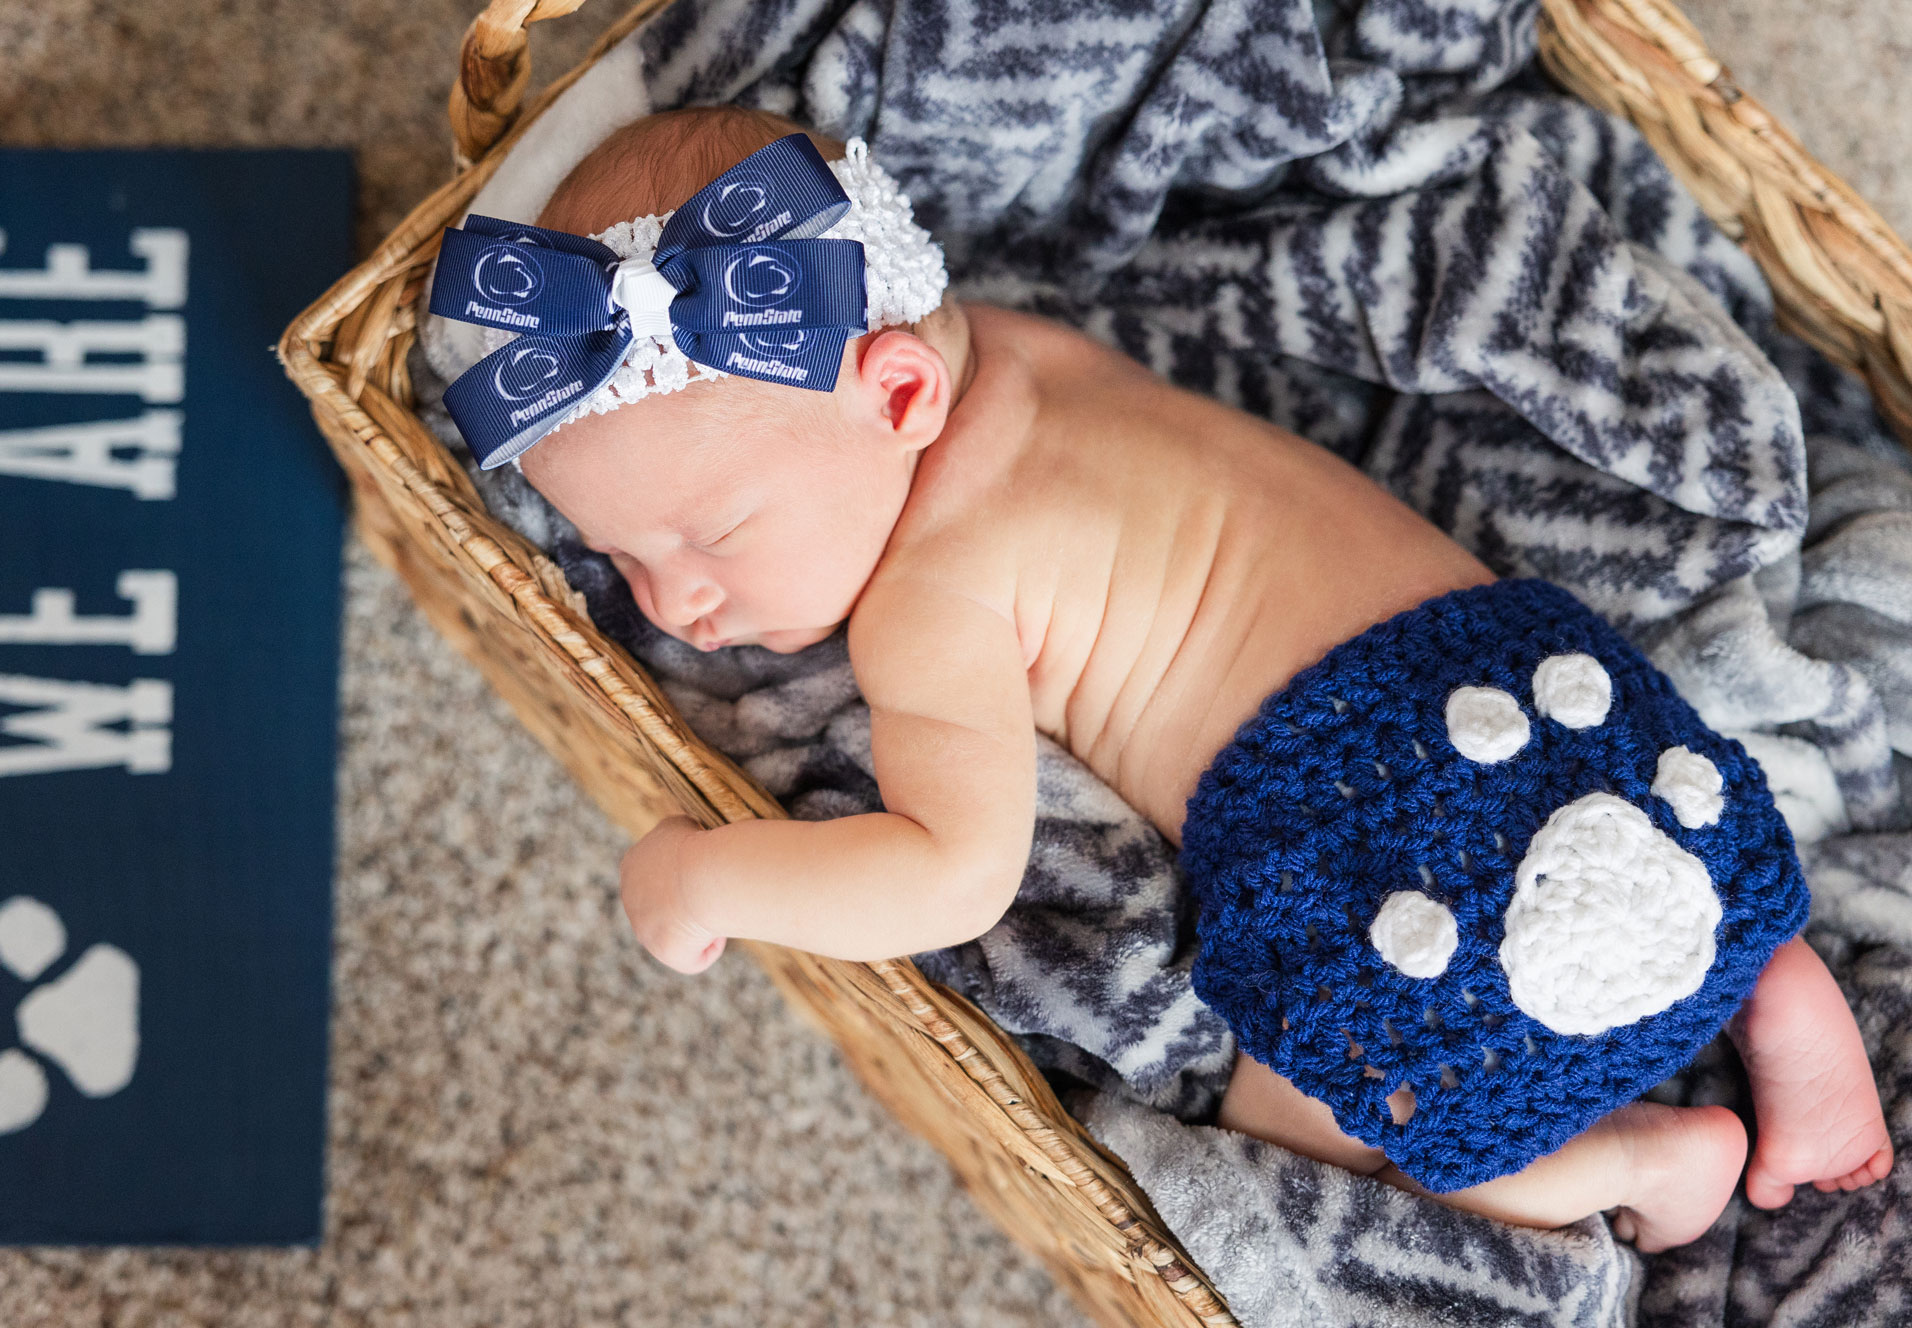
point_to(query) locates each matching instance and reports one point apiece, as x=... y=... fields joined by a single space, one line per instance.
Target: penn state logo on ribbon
x=505 y=274
x=762 y=276
x=736 y=207
x=739 y=281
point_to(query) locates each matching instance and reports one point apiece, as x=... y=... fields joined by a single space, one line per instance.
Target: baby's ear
x=901 y=388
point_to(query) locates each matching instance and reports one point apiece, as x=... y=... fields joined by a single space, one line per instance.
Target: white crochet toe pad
x=1611 y=921
x=1415 y=934
x=1691 y=785
x=1573 y=689
x=1485 y=724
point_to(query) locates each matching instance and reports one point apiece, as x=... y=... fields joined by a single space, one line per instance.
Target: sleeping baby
x=1470 y=875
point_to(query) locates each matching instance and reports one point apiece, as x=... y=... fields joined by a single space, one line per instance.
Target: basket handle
x=493 y=67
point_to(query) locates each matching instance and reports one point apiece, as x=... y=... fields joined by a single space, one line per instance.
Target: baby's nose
x=682 y=604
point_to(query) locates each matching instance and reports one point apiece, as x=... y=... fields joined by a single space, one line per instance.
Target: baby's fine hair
x=654 y=165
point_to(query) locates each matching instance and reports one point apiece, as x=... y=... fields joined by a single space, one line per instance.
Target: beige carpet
x=531 y=1124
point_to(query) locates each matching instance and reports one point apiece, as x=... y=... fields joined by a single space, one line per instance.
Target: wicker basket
x=1843 y=281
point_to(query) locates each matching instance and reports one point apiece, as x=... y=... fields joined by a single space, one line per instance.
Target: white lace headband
x=904 y=279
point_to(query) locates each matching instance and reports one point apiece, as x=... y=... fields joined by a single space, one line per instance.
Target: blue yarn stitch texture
x=1288 y=871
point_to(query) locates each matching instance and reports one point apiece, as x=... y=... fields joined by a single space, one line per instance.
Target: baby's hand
x=652 y=884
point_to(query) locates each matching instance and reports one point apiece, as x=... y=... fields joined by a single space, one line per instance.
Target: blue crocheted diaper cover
x=1484 y=851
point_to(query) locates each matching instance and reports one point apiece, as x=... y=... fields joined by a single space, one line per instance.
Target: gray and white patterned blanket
x=1371 y=222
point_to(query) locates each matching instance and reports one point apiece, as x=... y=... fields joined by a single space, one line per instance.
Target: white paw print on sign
x=1611 y=920
x=86 y=1021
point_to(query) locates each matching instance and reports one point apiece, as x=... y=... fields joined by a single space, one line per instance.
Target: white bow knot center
x=641 y=290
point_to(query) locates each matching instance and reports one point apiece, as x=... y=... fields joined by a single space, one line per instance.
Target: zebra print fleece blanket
x=1371 y=222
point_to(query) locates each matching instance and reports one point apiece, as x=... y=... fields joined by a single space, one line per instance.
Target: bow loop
x=790 y=284
x=739 y=282
x=519 y=282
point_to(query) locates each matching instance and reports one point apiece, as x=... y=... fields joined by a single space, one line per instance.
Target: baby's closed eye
x=712 y=541
x=702 y=542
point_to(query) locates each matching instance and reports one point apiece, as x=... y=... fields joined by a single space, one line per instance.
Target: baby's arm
x=952 y=737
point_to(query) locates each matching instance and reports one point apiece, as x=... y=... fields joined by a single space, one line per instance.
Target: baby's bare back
x=1168 y=561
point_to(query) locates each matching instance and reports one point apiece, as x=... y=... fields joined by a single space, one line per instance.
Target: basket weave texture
x=1842 y=280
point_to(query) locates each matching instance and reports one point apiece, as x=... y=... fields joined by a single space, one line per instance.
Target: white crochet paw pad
x=1611 y=921
x=85 y=1022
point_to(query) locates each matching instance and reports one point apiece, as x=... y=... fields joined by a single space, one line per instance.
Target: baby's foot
x=1682 y=1164
x=1813 y=1094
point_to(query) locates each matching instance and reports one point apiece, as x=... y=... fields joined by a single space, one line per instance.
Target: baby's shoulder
x=931 y=601
x=949 y=559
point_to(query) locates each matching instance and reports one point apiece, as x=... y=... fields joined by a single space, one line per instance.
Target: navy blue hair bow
x=718 y=286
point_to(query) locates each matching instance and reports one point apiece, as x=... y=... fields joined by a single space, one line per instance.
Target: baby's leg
x=1264 y=1104
x=1813 y=1094
x=1668 y=1170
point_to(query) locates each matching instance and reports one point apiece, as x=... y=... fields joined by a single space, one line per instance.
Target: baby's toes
x=1871 y=1145
x=1872 y=1169
x=1787 y=1161
x=1866 y=1173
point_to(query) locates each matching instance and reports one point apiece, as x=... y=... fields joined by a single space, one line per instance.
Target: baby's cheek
x=627 y=569
x=633 y=573
x=825 y=581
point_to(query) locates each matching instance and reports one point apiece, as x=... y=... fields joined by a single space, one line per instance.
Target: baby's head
x=742 y=511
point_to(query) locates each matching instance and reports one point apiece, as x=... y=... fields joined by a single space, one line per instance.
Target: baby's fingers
x=707 y=956
x=651 y=886
x=680 y=946
x=692 y=958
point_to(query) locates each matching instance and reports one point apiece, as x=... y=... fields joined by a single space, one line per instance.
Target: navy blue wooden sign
x=169 y=619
